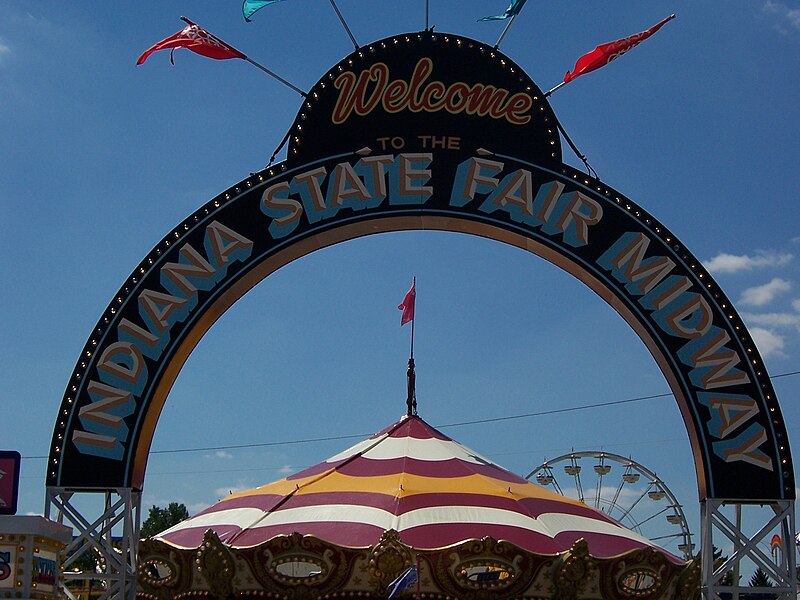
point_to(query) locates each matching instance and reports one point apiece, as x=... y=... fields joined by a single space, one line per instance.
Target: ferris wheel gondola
x=623 y=489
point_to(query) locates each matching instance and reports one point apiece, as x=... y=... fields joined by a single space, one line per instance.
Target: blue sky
x=99 y=158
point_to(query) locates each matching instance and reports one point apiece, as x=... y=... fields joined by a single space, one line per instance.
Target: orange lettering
x=361 y=94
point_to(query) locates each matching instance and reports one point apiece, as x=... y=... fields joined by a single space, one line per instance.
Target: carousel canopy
x=414 y=480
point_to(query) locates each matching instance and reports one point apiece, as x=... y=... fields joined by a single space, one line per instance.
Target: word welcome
x=363 y=93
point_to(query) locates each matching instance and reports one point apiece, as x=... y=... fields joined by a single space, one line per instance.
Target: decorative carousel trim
x=388 y=558
x=471 y=570
x=576 y=570
x=266 y=560
x=216 y=565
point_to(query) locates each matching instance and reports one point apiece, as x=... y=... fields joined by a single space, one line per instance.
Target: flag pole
x=252 y=62
x=505 y=30
x=427 y=6
x=414 y=285
x=344 y=24
x=411 y=377
x=560 y=85
x=275 y=76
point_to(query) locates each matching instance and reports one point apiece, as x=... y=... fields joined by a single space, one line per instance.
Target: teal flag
x=251 y=6
x=512 y=11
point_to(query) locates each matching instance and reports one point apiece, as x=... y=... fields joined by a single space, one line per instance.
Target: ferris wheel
x=623 y=489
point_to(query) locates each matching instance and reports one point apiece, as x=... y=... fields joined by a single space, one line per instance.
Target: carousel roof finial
x=411 y=399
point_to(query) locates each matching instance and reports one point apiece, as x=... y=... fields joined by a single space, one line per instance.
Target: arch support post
x=743 y=533
x=103 y=550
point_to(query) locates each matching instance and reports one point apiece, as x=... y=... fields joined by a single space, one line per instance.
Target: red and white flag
x=407 y=305
x=605 y=53
x=198 y=40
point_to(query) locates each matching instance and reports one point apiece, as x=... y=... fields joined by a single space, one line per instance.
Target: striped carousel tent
x=411 y=497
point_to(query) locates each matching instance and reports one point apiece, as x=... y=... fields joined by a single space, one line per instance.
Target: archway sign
x=423 y=131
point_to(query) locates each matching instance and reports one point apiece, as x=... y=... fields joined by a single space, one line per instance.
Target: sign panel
x=8 y=560
x=436 y=132
x=426 y=92
x=9 y=481
x=44 y=571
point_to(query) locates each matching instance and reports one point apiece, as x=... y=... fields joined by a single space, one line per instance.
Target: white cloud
x=732 y=263
x=764 y=294
x=197 y=507
x=796 y=304
x=286 y=469
x=234 y=489
x=219 y=454
x=768 y=342
x=4 y=50
x=788 y=16
x=773 y=320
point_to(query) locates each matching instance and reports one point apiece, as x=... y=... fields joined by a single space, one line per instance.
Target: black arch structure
x=397 y=137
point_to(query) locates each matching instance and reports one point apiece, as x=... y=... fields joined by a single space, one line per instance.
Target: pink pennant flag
x=407 y=305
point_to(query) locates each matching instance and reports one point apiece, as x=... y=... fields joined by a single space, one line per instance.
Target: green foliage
x=760 y=579
x=160 y=519
x=86 y=562
x=719 y=558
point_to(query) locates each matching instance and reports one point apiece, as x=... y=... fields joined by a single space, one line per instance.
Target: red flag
x=605 y=53
x=407 y=305
x=194 y=38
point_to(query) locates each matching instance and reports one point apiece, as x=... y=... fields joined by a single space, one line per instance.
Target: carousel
x=411 y=512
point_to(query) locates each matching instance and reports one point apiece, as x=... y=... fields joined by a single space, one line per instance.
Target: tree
x=760 y=579
x=86 y=562
x=719 y=558
x=160 y=519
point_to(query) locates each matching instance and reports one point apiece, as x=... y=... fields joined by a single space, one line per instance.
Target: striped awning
x=417 y=481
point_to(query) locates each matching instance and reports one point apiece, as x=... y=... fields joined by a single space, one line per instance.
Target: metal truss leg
x=747 y=551
x=110 y=539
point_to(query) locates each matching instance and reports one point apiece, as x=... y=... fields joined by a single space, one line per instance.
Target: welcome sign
x=432 y=131
x=425 y=92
